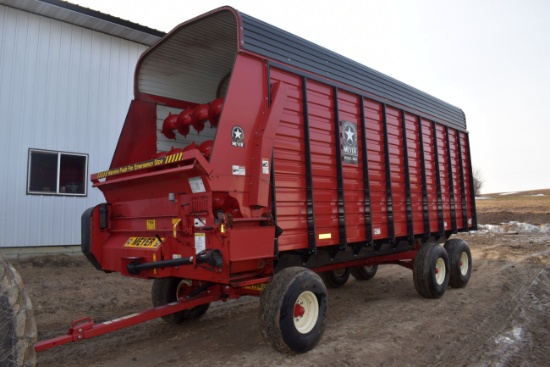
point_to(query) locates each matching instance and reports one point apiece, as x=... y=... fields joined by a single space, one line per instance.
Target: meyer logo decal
x=349 y=142
x=237 y=135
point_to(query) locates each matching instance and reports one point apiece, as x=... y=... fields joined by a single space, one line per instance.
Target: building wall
x=62 y=88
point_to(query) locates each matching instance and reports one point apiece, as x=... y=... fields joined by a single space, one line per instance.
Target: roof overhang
x=88 y=18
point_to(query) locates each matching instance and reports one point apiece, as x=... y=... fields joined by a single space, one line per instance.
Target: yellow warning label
x=172 y=158
x=151 y=225
x=325 y=236
x=143 y=242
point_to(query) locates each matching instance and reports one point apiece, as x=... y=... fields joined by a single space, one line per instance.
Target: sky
x=491 y=58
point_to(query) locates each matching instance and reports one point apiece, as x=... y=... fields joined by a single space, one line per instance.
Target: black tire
x=335 y=278
x=17 y=324
x=364 y=272
x=293 y=310
x=166 y=290
x=460 y=261
x=431 y=271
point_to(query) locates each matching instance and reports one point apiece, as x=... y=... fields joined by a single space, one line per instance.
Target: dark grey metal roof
x=88 y=18
x=286 y=48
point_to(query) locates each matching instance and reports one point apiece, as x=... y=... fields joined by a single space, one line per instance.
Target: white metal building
x=66 y=81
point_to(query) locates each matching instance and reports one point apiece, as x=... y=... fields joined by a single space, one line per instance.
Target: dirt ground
x=500 y=319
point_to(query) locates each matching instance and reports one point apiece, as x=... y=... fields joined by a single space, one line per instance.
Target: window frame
x=59 y=155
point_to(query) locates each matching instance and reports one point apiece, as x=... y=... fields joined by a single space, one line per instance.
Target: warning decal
x=172 y=158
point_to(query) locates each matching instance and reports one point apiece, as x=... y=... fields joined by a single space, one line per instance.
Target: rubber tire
x=424 y=271
x=364 y=272
x=334 y=280
x=455 y=248
x=17 y=324
x=164 y=291
x=276 y=313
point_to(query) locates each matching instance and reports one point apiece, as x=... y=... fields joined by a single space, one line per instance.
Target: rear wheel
x=431 y=271
x=166 y=290
x=293 y=310
x=335 y=278
x=460 y=262
x=364 y=272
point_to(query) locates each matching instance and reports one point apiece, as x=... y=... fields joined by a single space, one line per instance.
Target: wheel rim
x=464 y=263
x=184 y=289
x=440 y=271
x=306 y=312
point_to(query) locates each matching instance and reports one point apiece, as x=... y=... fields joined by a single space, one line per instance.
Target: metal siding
x=62 y=88
x=279 y=45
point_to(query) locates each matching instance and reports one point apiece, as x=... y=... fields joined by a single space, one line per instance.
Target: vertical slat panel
x=425 y=198
x=324 y=140
x=289 y=165
x=463 y=203
x=408 y=196
x=366 y=179
x=471 y=191
x=389 y=196
x=349 y=106
x=415 y=171
x=377 y=173
x=342 y=236
x=311 y=240
x=437 y=173
x=451 y=182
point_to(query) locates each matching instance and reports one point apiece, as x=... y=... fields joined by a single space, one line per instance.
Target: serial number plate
x=143 y=242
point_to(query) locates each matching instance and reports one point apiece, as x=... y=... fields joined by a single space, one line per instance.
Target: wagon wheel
x=335 y=278
x=431 y=271
x=293 y=310
x=460 y=261
x=17 y=324
x=364 y=272
x=166 y=290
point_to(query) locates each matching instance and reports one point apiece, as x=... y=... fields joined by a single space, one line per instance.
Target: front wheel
x=293 y=310
x=460 y=261
x=431 y=271
x=167 y=290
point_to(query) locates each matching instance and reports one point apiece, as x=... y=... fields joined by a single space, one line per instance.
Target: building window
x=57 y=173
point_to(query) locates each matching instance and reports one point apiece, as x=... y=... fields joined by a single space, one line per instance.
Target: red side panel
x=406 y=156
x=397 y=169
x=415 y=171
x=430 y=167
x=323 y=145
x=377 y=174
x=441 y=144
x=468 y=180
x=137 y=140
x=289 y=166
x=456 y=174
x=349 y=106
